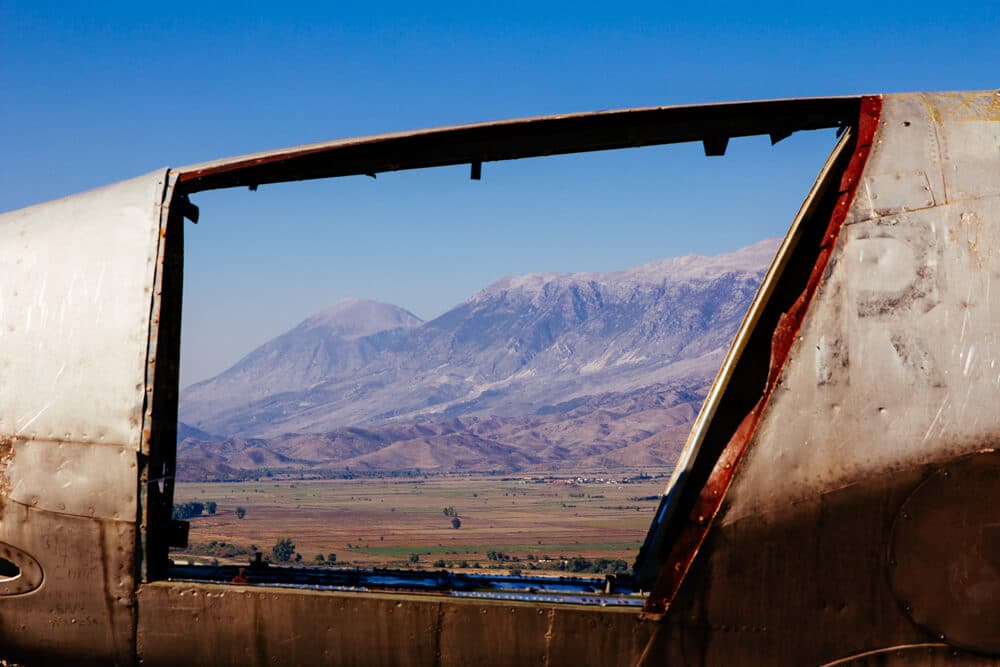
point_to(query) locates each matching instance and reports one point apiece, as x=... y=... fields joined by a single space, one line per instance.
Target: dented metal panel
x=75 y=299
x=62 y=477
x=893 y=373
x=75 y=293
x=244 y=625
x=944 y=557
x=909 y=312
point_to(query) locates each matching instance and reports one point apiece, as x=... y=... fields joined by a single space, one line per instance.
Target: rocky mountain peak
x=353 y=317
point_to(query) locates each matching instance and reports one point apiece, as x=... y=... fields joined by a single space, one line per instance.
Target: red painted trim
x=237 y=165
x=685 y=549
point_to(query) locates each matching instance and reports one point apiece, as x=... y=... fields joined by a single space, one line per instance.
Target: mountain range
x=534 y=371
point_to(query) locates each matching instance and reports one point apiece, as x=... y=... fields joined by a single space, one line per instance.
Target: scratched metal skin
x=75 y=297
x=894 y=374
x=215 y=624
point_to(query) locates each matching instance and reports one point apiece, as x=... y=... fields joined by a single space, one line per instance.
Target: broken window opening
x=324 y=574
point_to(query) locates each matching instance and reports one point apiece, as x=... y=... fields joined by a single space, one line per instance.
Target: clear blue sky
x=91 y=93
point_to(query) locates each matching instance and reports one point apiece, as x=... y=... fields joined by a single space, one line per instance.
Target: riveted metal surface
x=911 y=321
x=62 y=476
x=904 y=170
x=944 y=560
x=499 y=631
x=75 y=291
x=75 y=298
x=968 y=127
x=206 y=624
x=83 y=611
x=936 y=149
x=803 y=584
x=242 y=625
x=909 y=314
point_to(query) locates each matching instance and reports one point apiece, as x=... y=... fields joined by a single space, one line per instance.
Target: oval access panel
x=20 y=572
x=944 y=565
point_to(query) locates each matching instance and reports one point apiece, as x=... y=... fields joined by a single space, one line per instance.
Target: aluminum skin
x=75 y=298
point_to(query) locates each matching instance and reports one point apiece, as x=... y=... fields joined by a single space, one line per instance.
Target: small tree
x=283 y=550
x=240 y=512
x=187 y=510
x=414 y=558
x=211 y=506
x=331 y=558
x=456 y=522
x=320 y=558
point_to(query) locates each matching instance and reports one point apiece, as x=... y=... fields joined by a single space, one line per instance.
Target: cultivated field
x=536 y=521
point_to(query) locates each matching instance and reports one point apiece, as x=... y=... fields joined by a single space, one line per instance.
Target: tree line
x=183 y=511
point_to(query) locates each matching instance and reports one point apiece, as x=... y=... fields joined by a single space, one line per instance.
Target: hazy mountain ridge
x=513 y=352
x=338 y=340
x=639 y=429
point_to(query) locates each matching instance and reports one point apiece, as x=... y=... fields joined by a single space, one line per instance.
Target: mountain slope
x=644 y=428
x=521 y=346
x=334 y=342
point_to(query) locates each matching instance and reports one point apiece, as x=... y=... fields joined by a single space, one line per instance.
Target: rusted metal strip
x=699 y=521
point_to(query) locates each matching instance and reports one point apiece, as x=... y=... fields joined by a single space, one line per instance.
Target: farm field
x=507 y=522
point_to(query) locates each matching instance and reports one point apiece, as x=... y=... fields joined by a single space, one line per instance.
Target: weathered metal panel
x=62 y=477
x=801 y=585
x=968 y=126
x=75 y=291
x=897 y=365
x=238 y=625
x=893 y=372
x=909 y=176
x=84 y=610
x=909 y=315
x=945 y=553
x=75 y=300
